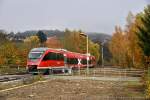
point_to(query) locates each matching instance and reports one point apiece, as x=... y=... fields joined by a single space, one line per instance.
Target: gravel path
x=137 y=79
x=74 y=89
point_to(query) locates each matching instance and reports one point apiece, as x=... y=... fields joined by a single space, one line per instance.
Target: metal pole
x=102 y=55
x=87 y=55
x=87 y=51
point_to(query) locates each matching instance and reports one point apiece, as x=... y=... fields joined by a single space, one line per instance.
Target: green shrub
x=148 y=89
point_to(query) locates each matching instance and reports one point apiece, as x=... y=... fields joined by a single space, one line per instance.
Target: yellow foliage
x=118 y=47
x=32 y=41
x=148 y=89
x=124 y=45
x=94 y=49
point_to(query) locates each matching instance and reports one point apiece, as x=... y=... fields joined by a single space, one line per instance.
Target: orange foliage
x=118 y=46
x=134 y=51
x=53 y=42
x=124 y=45
x=1 y=60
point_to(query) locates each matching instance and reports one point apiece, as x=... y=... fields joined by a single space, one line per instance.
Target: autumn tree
x=9 y=53
x=118 y=46
x=134 y=52
x=3 y=41
x=23 y=50
x=32 y=41
x=73 y=41
x=124 y=44
x=143 y=33
x=94 y=49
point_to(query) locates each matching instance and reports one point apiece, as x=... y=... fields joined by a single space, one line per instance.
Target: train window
x=50 y=56
x=53 y=56
x=68 y=60
x=60 y=56
x=75 y=61
x=72 y=60
x=35 y=55
x=90 y=61
x=47 y=57
x=84 y=61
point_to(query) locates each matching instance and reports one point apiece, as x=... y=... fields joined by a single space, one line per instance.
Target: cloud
x=148 y=1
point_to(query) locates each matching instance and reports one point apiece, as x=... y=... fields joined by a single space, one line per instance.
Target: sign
x=88 y=58
x=79 y=61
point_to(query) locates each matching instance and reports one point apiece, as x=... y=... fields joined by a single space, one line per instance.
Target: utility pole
x=102 y=48
x=102 y=54
x=87 y=51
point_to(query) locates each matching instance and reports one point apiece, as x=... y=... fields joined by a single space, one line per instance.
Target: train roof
x=43 y=49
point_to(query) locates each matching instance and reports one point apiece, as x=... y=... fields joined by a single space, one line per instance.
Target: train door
x=59 y=59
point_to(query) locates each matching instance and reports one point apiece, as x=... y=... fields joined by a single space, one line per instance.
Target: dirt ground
x=66 y=89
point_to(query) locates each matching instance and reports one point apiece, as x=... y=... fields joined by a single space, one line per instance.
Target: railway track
x=8 y=78
x=94 y=72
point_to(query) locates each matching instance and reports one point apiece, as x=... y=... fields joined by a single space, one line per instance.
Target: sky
x=87 y=15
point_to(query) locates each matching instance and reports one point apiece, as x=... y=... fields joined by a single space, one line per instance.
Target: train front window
x=35 y=55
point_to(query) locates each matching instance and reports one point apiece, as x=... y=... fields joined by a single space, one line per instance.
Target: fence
x=110 y=72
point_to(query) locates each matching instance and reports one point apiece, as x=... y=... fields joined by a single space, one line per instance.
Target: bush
x=146 y=82
x=148 y=89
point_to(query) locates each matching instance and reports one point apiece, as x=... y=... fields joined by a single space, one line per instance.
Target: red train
x=45 y=59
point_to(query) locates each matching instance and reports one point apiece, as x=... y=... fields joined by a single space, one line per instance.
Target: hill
x=96 y=37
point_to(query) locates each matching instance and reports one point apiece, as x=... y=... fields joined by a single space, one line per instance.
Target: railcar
x=43 y=60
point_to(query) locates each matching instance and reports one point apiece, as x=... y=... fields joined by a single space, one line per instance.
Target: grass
x=134 y=89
